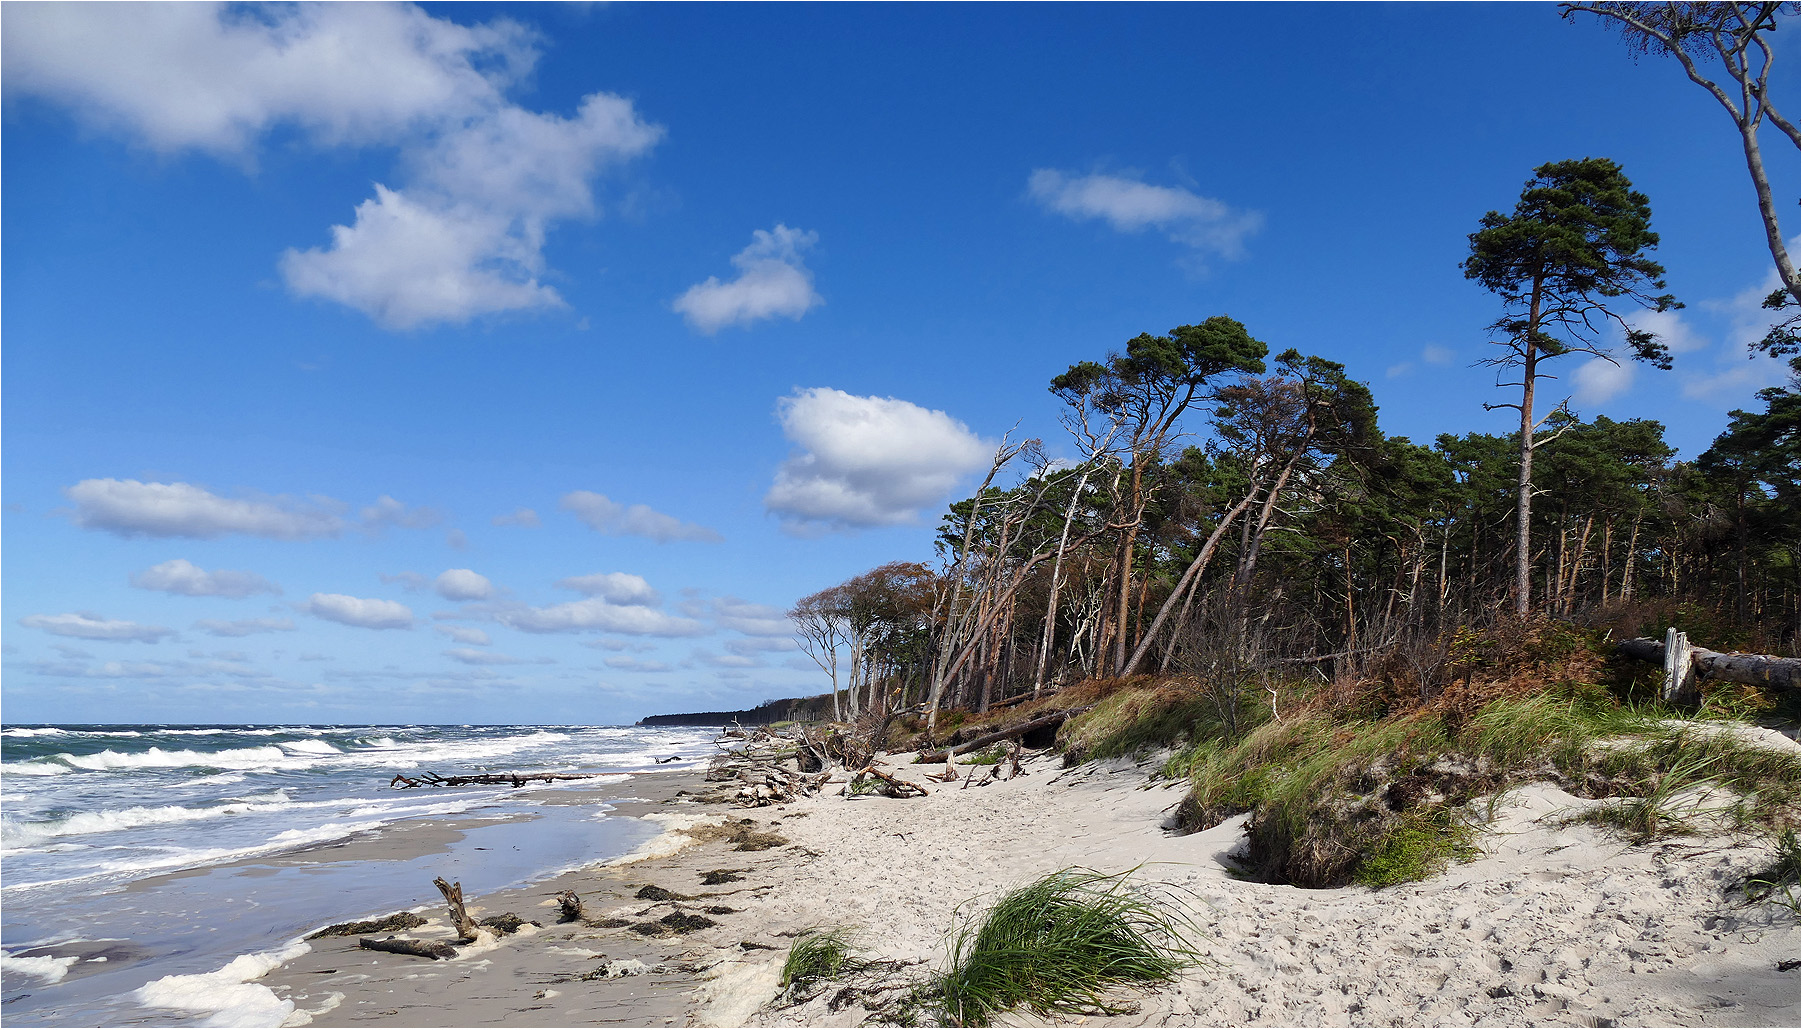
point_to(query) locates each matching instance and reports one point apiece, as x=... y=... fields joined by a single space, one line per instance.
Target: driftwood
x=569 y=907
x=895 y=788
x=408 y=946
x=768 y=769
x=453 y=897
x=1778 y=674
x=1037 y=722
x=432 y=779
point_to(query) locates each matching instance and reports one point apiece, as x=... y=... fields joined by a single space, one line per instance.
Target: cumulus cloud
x=465 y=635
x=389 y=512
x=131 y=508
x=88 y=626
x=867 y=461
x=525 y=518
x=614 y=519
x=181 y=576
x=1129 y=205
x=772 y=282
x=485 y=179
x=597 y=614
x=462 y=585
x=365 y=612
x=244 y=627
x=613 y=587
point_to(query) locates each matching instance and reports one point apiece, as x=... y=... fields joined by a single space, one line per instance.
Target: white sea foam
x=44 y=967
x=226 y=996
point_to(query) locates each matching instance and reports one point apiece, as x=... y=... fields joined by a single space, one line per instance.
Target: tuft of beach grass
x=1059 y=945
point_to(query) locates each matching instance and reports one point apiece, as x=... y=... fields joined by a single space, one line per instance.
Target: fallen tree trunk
x=1037 y=722
x=1762 y=670
x=432 y=779
x=408 y=946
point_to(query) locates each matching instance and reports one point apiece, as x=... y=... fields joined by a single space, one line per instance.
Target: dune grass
x=1059 y=945
x=819 y=954
x=1335 y=799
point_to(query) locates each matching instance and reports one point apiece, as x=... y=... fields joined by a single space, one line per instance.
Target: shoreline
x=1554 y=924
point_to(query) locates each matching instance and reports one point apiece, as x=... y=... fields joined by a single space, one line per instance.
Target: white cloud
x=772 y=282
x=462 y=585
x=470 y=656
x=867 y=461
x=525 y=518
x=596 y=614
x=605 y=516
x=1129 y=205
x=1671 y=328
x=181 y=576
x=749 y=618
x=486 y=179
x=465 y=635
x=613 y=587
x=728 y=661
x=211 y=77
x=1434 y=354
x=456 y=540
x=1399 y=369
x=616 y=644
x=409 y=581
x=130 y=508
x=389 y=512
x=366 y=612
x=88 y=626
x=756 y=645
x=244 y=627
x=1600 y=380
x=635 y=665
x=408 y=265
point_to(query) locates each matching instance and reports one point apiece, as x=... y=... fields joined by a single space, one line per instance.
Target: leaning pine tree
x=1563 y=263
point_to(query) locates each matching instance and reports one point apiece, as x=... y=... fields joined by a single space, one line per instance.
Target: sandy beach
x=1554 y=925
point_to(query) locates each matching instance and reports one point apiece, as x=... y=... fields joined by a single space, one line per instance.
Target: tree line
x=1235 y=515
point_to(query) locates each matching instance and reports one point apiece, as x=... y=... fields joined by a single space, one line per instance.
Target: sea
x=149 y=873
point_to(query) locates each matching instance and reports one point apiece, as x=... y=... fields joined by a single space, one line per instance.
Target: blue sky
x=524 y=363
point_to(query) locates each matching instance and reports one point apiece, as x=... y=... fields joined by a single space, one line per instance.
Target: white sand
x=1555 y=925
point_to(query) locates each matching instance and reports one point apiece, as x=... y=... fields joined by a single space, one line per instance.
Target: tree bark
x=1762 y=670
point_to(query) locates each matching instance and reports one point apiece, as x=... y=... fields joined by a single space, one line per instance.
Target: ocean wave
x=35 y=767
x=268 y=756
x=17 y=834
x=175 y=857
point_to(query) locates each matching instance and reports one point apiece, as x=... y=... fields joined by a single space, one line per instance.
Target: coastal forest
x=1356 y=637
